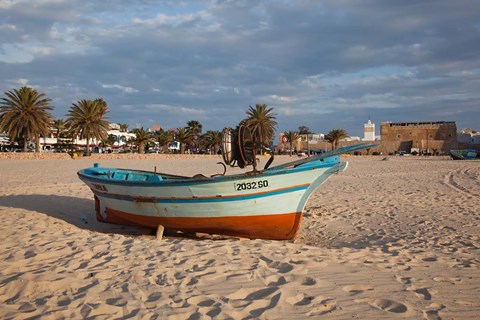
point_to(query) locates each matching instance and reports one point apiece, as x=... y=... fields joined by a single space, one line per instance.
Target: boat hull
x=276 y=227
x=267 y=205
x=468 y=154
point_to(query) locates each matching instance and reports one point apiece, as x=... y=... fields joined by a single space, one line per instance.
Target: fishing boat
x=466 y=154
x=266 y=204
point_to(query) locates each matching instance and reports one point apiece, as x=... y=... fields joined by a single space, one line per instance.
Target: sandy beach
x=382 y=240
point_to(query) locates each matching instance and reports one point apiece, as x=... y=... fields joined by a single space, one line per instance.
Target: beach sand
x=382 y=240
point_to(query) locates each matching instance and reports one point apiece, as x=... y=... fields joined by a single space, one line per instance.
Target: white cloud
x=119 y=87
x=281 y=99
x=287 y=111
x=6 y=4
x=22 y=81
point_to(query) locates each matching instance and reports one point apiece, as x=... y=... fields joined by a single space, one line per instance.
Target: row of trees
x=260 y=120
x=25 y=114
x=333 y=136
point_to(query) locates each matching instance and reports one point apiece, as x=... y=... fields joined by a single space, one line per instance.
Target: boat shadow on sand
x=80 y=212
x=75 y=211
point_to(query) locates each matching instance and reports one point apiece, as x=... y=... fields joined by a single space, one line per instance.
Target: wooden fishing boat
x=265 y=204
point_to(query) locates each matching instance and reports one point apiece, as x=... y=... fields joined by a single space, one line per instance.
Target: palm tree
x=184 y=137
x=213 y=139
x=142 y=137
x=123 y=127
x=292 y=136
x=59 y=125
x=163 y=138
x=334 y=136
x=108 y=142
x=303 y=130
x=86 y=119
x=261 y=122
x=24 y=113
x=195 y=126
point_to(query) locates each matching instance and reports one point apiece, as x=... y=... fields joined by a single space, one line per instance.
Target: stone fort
x=422 y=137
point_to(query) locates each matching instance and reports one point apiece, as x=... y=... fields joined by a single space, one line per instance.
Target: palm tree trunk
x=37 y=143
x=25 y=144
x=87 y=151
x=141 y=148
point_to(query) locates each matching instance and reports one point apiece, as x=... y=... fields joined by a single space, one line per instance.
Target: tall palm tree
x=212 y=139
x=335 y=135
x=261 y=122
x=292 y=136
x=59 y=125
x=142 y=137
x=185 y=137
x=86 y=119
x=24 y=113
x=195 y=126
x=163 y=138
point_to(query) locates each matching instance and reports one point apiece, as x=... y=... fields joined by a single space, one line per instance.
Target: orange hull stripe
x=275 y=227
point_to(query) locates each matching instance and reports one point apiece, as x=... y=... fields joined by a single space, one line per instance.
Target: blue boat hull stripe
x=199 y=199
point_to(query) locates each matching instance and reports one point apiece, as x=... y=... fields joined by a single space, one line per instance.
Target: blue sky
x=321 y=64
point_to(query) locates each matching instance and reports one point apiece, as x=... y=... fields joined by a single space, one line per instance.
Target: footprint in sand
x=431 y=312
x=275 y=280
x=252 y=293
x=356 y=289
x=201 y=301
x=404 y=280
x=322 y=307
x=385 y=305
x=255 y=301
x=27 y=307
x=300 y=299
x=282 y=267
x=64 y=301
x=430 y=259
x=152 y=300
x=316 y=305
x=117 y=302
x=421 y=293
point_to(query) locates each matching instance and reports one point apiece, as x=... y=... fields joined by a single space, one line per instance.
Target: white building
x=47 y=143
x=4 y=141
x=369 y=131
x=312 y=138
x=469 y=136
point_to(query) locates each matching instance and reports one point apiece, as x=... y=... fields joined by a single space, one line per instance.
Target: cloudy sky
x=322 y=64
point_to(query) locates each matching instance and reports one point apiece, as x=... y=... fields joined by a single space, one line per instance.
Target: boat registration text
x=251 y=185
